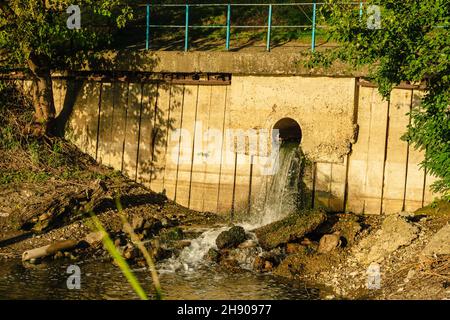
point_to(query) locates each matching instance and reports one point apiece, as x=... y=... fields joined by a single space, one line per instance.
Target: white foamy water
x=282 y=189
x=280 y=200
x=191 y=256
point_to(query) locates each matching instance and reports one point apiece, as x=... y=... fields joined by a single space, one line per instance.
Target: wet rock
x=248 y=244
x=289 y=229
x=259 y=264
x=268 y=260
x=231 y=238
x=161 y=253
x=158 y=251
x=329 y=242
x=212 y=255
x=439 y=243
x=395 y=232
x=230 y=264
x=245 y=256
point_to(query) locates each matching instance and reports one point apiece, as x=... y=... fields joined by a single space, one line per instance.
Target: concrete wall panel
x=173 y=143
x=396 y=154
x=184 y=171
x=147 y=125
x=105 y=136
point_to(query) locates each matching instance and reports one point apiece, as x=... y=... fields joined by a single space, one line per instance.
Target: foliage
x=25 y=158
x=38 y=27
x=412 y=45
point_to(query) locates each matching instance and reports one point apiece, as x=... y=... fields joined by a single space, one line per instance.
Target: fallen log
x=48 y=250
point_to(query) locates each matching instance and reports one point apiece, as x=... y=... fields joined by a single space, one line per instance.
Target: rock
x=164 y=222
x=248 y=244
x=349 y=228
x=268 y=260
x=44 y=217
x=130 y=253
x=94 y=238
x=137 y=222
x=152 y=225
x=291 y=267
x=259 y=264
x=289 y=229
x=268 y=266
x=395 y=232
x=292 y=248
x=329 y=242
x=231 y=238
x=181 y=244
x=172 y=234
x=245 y=256
x=161 y=253
x=306 y=242
x=439 y=243
x=212 y=255
x=230 y=264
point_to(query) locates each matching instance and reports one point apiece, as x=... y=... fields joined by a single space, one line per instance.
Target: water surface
x=102 y=280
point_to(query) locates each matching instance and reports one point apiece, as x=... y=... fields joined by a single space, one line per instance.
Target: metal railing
x=269 y=26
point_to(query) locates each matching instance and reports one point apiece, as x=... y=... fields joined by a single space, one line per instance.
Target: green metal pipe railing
x=269 y=25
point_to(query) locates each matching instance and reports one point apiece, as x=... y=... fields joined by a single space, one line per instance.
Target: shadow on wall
x=121 y=119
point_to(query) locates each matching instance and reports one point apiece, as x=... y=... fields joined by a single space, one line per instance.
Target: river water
x=102 y=280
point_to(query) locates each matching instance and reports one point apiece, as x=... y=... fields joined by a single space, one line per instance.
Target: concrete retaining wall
x=184 y=139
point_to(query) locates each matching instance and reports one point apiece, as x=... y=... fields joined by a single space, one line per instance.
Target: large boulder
x=395 y=232
x=439 y=243
x=329 y=242
x=231 y=238
x=289 y=229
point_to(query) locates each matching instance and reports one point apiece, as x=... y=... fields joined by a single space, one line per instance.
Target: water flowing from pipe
x=280 y=200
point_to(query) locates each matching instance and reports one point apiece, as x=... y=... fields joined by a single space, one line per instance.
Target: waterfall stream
x=280 y=200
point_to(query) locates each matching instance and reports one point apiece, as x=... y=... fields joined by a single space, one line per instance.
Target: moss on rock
x=289 y=229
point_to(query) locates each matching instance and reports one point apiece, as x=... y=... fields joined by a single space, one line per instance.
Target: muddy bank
x=153 y=216
x=41 y=213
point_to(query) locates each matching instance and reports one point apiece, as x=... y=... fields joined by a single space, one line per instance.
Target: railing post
x=228 y=26
x=147 y=36
x=313 y=36
x=186 y=33
x=269 y=27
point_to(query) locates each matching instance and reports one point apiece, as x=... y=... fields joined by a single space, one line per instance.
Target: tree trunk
x=43 y=101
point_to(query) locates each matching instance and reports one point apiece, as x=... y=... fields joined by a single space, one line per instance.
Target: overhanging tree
x=34 y=37
x=411 y=43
